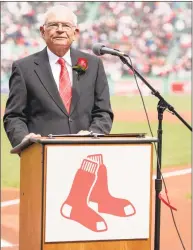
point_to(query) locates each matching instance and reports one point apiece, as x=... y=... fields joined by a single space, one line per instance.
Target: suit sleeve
x=15 y=118
x=102 y=115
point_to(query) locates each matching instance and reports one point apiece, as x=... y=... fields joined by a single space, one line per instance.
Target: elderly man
x=58 y=90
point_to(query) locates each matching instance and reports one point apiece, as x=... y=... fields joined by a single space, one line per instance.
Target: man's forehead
x=60 y=17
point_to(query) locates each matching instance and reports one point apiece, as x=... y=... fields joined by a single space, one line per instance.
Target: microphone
x=100 y=49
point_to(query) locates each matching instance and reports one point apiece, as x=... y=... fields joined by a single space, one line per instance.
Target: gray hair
x=59 y=8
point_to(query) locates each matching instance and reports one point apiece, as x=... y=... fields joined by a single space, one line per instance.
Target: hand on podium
x=31 y=135
x=84 y=132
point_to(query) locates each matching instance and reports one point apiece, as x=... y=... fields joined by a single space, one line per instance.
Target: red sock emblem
x=101 y=195
x=76 y=205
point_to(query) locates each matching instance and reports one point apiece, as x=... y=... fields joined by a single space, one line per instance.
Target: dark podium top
x=131 y=138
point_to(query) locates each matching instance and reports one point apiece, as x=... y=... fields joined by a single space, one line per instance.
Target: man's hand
x=84 y=132
x=31 y=135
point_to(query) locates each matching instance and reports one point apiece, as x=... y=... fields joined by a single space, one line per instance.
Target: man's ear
x=76 y=33
x=42 y=31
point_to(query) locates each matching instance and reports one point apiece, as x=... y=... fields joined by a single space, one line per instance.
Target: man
x=40 y=83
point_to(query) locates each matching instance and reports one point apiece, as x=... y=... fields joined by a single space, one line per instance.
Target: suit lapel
x=44 y=72
x=76 y=81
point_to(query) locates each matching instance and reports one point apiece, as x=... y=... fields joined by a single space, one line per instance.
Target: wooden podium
x=48 y=166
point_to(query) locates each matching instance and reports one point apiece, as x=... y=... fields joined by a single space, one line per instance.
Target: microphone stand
x=161 y=107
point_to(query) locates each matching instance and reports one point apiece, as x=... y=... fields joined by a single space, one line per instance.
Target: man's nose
x=60 y=28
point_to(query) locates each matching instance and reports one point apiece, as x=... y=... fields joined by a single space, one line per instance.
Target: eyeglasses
x=56 y=26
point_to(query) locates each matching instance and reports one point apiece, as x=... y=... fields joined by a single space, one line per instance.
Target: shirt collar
x=53 y=58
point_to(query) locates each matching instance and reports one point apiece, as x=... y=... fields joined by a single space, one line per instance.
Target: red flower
x=81 y=66
x=83 y=63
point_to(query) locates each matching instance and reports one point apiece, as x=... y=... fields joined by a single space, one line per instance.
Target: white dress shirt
x=56 y=68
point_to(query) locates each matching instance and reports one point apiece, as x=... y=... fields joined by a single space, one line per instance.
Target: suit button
x=70 y=120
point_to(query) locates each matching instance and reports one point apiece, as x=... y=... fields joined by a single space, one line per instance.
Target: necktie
x=65 y=88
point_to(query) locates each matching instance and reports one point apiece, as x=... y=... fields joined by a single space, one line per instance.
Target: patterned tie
x=65 y=88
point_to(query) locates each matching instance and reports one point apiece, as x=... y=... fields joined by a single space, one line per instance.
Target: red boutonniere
x=81 y=66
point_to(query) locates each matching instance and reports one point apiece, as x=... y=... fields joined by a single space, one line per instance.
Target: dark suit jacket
x=34 y=104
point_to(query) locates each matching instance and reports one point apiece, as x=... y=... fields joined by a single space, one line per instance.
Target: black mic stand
x=161 y=107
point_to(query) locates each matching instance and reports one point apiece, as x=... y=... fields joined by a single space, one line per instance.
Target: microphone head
x=97 y=49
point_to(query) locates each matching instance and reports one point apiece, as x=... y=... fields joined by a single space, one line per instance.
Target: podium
x=85 y=193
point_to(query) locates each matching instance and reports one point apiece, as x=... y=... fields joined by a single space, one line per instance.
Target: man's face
x=59 y=31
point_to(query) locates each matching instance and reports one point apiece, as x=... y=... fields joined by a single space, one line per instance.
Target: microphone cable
x=155 y=148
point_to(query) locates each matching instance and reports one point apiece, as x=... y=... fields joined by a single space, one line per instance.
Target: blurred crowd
x=156 y=35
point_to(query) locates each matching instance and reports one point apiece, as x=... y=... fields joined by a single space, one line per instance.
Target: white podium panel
x=97 y=192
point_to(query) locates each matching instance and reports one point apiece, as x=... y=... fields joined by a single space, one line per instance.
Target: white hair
x=58 y=8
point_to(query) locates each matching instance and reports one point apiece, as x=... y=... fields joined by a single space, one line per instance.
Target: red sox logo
x=90 y=184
